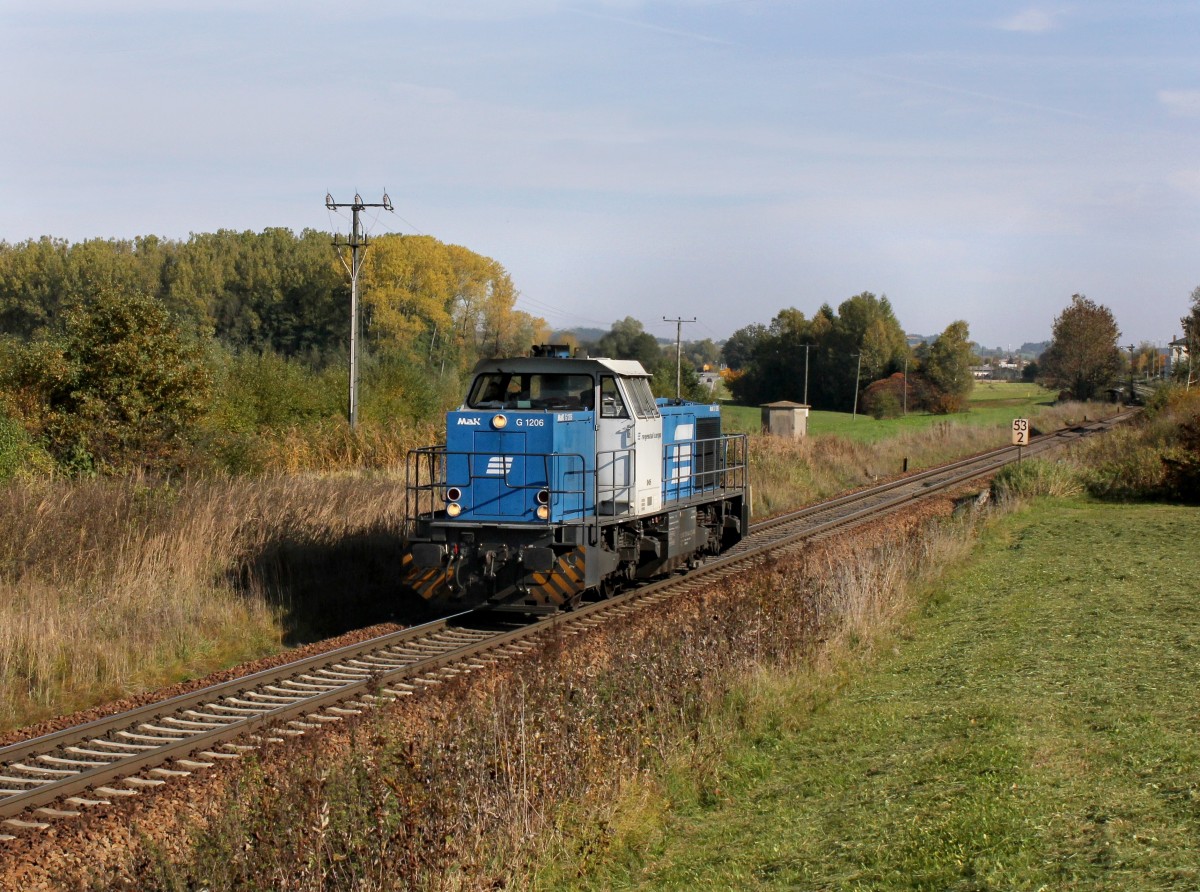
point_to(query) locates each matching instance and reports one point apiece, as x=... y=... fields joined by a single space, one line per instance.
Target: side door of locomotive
x=648 y=438
x=616 y=483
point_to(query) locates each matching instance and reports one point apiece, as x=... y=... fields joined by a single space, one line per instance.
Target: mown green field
x=992 y=403
x=1035 y=726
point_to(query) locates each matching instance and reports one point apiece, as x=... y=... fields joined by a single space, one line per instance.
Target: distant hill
x=1029 y=350
x=583 y=335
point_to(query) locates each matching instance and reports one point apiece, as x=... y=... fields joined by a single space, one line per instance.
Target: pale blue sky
x=713 y=158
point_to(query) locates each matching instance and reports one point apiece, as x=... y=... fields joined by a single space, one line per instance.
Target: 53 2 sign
x=1020 y=431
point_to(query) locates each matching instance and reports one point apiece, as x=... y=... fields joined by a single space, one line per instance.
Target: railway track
x=89 y=766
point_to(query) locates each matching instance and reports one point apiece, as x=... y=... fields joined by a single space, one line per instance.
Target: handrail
x=730 y=473
x=613 y=482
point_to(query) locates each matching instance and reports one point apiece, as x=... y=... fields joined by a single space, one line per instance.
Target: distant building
x=1000 y=369
x=785 y=419
x=1177 y=354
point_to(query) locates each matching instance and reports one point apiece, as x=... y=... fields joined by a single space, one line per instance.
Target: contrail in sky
x=690 y=35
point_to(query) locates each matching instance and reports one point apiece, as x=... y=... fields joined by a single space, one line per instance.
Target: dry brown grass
x=788 y=473
x=112 y=587
x=333 y=448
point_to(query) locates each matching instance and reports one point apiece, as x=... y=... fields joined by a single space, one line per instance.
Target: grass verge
x=992 y=404
x=1035 y=728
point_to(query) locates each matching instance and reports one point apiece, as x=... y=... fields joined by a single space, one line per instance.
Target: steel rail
x=43 y=770
x=81 y=758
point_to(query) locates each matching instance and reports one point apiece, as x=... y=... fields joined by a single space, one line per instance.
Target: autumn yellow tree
x=444 y=303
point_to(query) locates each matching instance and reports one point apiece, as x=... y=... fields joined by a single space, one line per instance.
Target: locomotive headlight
x=453 y=509
x=453 y=494
x=543 y=497
x=543 y=512
x=499 y=421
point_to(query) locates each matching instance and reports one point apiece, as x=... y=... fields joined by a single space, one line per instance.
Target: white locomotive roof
x=624 y=368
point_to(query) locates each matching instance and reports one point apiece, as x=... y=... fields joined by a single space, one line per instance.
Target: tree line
x=162 y=354
x=120 y=353
x=858 y=356
x=837 y=356
x=116 y=353
x=277 y=291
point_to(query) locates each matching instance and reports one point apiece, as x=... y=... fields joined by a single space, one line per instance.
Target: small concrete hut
x=785 y=419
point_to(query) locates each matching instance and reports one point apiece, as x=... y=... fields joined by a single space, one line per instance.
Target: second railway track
x=88 y=766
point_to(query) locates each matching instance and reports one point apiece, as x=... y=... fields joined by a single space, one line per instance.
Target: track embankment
x=461 y=733
x=377 y=684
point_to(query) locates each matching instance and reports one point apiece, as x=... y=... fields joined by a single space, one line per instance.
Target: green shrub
x=1181 y=462
x=11 y=451
x=1036 y=477
x=118 y=386
x=396 y=389
x=266 y=390
x=21 y=456
x=1124 y=465
x=1181 y=476
x=885 y=406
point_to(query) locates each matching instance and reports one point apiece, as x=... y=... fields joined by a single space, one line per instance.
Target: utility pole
x=806 y=346
x=857 y=375
x=678 y=352
x=1131 y=349
x=355 y=242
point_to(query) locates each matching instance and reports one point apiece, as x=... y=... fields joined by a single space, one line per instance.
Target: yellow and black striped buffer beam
x=431 y=583
x=565 y=580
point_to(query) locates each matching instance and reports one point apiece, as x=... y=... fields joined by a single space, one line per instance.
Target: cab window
x=510 y=390
x=612 y=404
x=643 y=399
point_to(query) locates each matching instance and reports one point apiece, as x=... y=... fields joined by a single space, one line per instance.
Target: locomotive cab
x=555 y=480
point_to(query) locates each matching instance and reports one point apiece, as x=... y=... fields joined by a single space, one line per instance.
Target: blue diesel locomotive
x=562 y=477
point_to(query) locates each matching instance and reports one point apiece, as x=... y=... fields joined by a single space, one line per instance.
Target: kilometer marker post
x=1020 y=435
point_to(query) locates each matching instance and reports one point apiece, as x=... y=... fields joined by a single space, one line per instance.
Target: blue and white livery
x=564 y=476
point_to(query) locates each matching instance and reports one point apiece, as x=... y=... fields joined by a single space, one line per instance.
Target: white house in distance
x=1001 y=368
x=1177 y=352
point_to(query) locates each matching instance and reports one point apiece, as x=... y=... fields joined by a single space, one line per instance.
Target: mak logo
x=499 y=465
x=471 y=422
